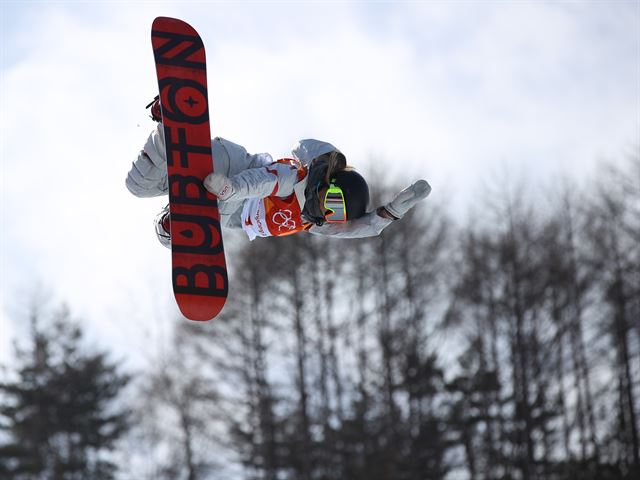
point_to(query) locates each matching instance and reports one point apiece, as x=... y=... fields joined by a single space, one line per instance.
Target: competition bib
x=273 y=216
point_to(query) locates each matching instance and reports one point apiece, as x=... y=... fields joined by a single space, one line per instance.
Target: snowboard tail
x=199 y=273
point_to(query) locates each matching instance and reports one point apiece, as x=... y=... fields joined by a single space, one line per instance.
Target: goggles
x=334 y=203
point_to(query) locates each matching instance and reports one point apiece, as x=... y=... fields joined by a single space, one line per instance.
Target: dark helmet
x=356 y=192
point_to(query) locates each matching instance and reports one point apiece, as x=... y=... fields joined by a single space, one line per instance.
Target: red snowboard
x=200 y=281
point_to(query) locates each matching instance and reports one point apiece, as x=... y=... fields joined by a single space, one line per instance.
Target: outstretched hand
x=408 y=198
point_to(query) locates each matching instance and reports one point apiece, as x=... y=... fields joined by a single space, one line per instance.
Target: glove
x=220 y=185
x=407 y=198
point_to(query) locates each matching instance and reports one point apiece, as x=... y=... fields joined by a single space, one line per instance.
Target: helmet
x=356 y=192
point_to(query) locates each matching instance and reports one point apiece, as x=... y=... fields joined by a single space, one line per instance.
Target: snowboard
x=199 y=273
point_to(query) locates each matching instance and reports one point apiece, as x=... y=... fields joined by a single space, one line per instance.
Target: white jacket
x=255 y=175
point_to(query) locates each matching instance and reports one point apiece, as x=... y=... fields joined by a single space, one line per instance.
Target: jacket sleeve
x=369 y=225
x=148 y=174
x=276 y=179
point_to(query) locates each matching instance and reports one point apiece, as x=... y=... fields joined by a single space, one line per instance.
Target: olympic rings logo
x=282 y=219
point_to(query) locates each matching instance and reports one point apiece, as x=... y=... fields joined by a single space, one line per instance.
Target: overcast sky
x=453 y=92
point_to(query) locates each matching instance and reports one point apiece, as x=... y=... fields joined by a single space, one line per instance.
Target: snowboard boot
x=155 y=110
x=163 y=227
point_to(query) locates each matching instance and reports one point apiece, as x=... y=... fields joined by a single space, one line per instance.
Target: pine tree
x=59 y=412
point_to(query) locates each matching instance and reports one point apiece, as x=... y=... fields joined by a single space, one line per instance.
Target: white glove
x=220 y=185
x=407 y=198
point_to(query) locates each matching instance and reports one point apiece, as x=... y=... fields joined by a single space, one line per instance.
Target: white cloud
x=446 y=91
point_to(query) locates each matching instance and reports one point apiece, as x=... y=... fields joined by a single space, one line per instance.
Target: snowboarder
x=314 y=191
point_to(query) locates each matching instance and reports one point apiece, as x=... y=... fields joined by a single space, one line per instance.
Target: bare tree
x=613 y=233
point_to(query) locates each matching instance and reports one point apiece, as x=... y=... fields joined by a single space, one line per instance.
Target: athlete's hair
x=336 y=162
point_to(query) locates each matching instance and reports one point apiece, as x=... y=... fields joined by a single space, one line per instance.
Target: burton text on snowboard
x=200 y=281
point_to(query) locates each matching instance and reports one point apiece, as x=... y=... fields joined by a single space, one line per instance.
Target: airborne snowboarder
x=215 y=183
x=315 y=190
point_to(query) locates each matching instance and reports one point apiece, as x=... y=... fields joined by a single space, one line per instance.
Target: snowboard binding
x=155 y=110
